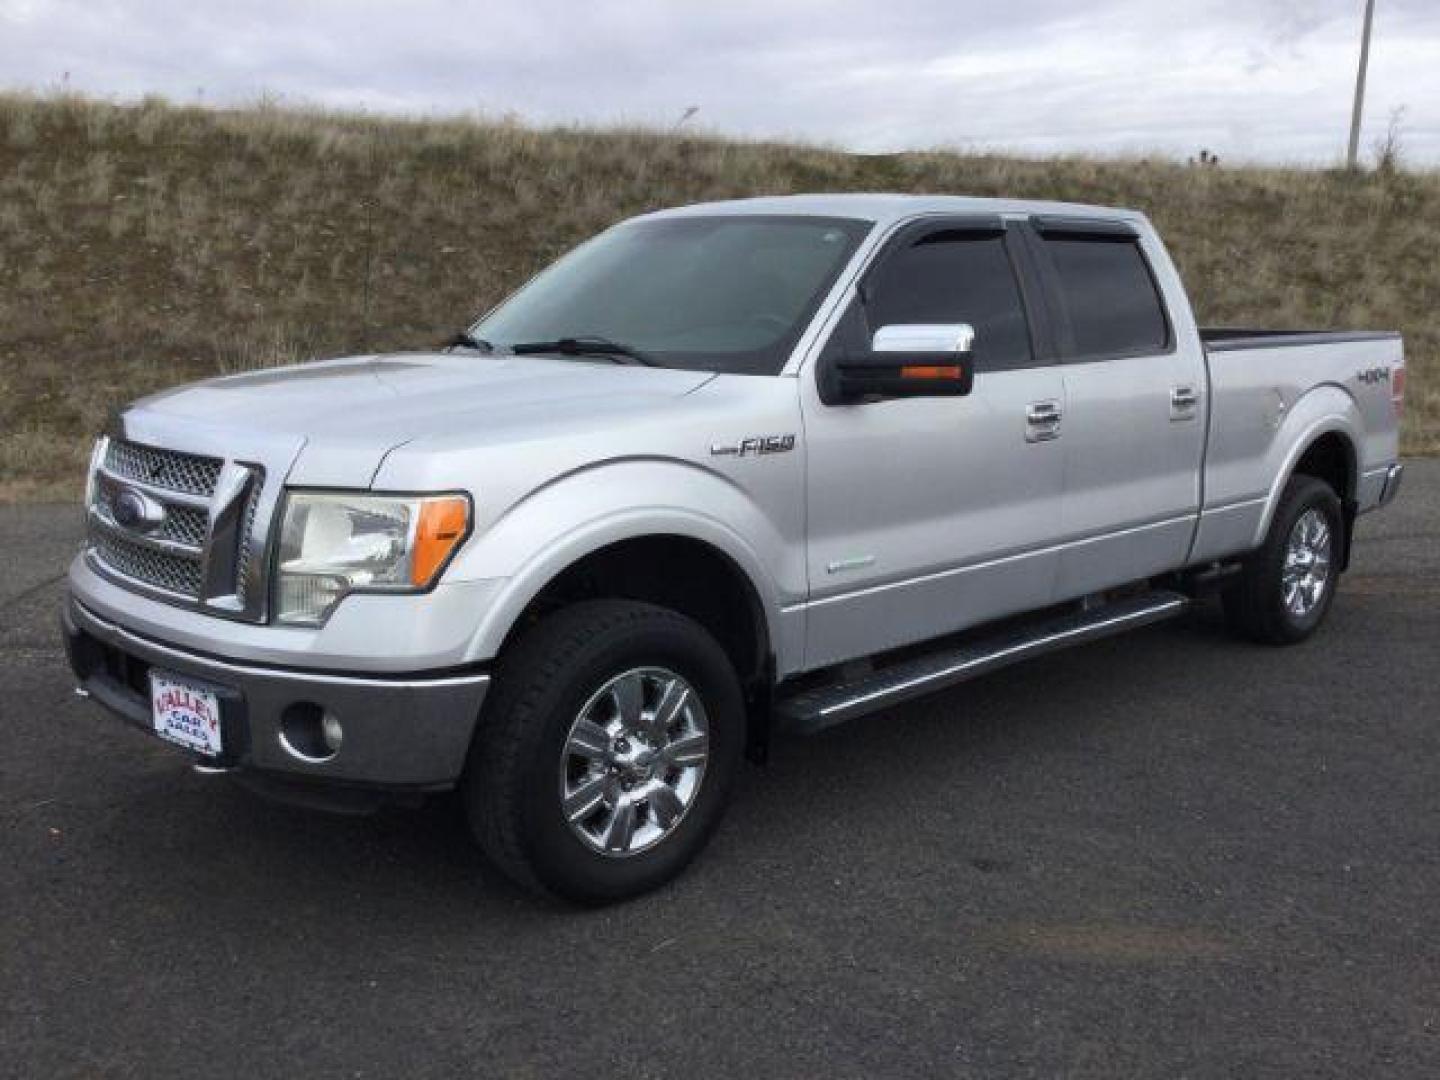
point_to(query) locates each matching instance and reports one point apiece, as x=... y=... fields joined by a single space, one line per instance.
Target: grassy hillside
x=141 y=246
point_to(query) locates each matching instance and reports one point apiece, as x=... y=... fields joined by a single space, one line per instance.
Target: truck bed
x=1225 y=338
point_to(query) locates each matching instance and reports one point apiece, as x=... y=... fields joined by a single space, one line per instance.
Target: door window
x=956 y=276
x=1109 y=295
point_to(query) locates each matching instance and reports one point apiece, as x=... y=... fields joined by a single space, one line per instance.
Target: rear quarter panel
x=1268 y=405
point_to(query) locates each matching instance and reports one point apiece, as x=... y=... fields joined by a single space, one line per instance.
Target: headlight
x=333 y=544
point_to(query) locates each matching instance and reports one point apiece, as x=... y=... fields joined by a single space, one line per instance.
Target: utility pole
x=1353 y=157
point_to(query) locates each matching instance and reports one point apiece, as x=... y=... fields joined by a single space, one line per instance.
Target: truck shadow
x=965 y=760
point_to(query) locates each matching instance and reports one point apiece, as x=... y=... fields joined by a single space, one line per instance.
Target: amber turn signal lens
x=931 y=371
x=438 y=533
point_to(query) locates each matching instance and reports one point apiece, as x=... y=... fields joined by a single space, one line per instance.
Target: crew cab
x=722 y=470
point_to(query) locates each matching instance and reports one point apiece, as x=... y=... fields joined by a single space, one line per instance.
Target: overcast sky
x=1248 y=79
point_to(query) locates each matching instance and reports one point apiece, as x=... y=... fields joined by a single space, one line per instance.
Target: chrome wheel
x=633 y=761
x=1305 y=574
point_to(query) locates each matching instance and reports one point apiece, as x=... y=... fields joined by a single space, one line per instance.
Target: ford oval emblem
x=136 y=510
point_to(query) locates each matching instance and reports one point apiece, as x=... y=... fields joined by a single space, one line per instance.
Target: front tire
x=604 y=758
x=1286 y=588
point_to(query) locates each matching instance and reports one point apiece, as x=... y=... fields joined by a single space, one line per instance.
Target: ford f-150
x=721 y=470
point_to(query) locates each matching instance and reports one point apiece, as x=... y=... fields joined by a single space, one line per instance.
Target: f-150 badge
x=1371 y=376
x=754 y=446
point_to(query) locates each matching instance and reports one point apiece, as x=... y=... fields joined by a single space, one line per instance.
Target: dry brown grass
x=145 y=245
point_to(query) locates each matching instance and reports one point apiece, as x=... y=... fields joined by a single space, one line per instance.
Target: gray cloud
x=1252 y=79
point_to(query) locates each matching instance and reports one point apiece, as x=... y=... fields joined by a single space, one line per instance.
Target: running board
x=819 y=708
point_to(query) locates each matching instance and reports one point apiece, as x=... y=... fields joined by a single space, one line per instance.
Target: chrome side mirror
x=908 y=360
x=944 y=338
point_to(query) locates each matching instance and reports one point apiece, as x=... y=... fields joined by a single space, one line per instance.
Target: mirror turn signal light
x=932 y=371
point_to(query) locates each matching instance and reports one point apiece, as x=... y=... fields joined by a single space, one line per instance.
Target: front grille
x=169 y=469
x=195 y=540
x=174 y=573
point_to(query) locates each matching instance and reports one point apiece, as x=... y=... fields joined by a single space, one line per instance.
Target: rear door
x=1134 y=403
x=925 y=515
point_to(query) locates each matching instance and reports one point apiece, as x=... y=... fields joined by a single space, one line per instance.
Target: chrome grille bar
x=223 y=583
x=101 y=521
x=164 y=494
x=183 y=525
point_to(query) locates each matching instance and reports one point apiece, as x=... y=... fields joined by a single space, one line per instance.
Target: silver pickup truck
x=721 y=470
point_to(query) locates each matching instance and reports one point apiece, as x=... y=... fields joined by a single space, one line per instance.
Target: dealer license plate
x=185 y=714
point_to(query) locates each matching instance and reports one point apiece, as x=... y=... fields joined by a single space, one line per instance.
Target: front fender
x=593 y=508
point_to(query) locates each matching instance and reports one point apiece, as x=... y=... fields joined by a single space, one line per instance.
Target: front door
x=927 y=515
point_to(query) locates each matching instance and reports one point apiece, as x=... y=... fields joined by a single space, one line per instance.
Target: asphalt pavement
x=1163 y=855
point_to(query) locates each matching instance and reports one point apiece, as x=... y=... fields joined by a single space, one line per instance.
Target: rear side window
x=1109 y=295
x=956 y=276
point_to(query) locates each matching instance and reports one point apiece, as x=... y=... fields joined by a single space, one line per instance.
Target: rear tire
x=1287 y=586
x=605 y=755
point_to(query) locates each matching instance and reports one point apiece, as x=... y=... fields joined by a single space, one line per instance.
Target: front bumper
x=407 y=732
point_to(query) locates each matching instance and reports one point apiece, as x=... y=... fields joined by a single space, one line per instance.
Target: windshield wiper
x=585 y=345
x=469 y=341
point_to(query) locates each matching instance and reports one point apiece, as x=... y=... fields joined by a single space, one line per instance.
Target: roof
x=889 y=208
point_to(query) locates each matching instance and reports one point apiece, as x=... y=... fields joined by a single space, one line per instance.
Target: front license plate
x=185 y=714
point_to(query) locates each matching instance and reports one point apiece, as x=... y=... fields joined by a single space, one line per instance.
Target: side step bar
x=822 y=707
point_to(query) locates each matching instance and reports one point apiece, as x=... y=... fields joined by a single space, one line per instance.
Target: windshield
x=728 y=293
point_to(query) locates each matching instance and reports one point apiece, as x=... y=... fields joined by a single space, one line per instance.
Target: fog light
x=310 y=732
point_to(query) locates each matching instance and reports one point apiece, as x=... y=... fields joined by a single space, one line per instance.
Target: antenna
x=369 y=248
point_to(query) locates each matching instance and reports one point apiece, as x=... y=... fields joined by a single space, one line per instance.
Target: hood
x=350 y=413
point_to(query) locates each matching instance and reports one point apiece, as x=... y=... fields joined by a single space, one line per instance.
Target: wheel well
x=1331 y=458
x=676 y=572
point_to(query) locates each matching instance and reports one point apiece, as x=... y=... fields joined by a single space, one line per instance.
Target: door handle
x=1042 y=421
x=1183 y=402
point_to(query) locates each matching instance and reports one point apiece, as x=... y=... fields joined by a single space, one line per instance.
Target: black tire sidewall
x=1306 y=494
x=560 y=859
